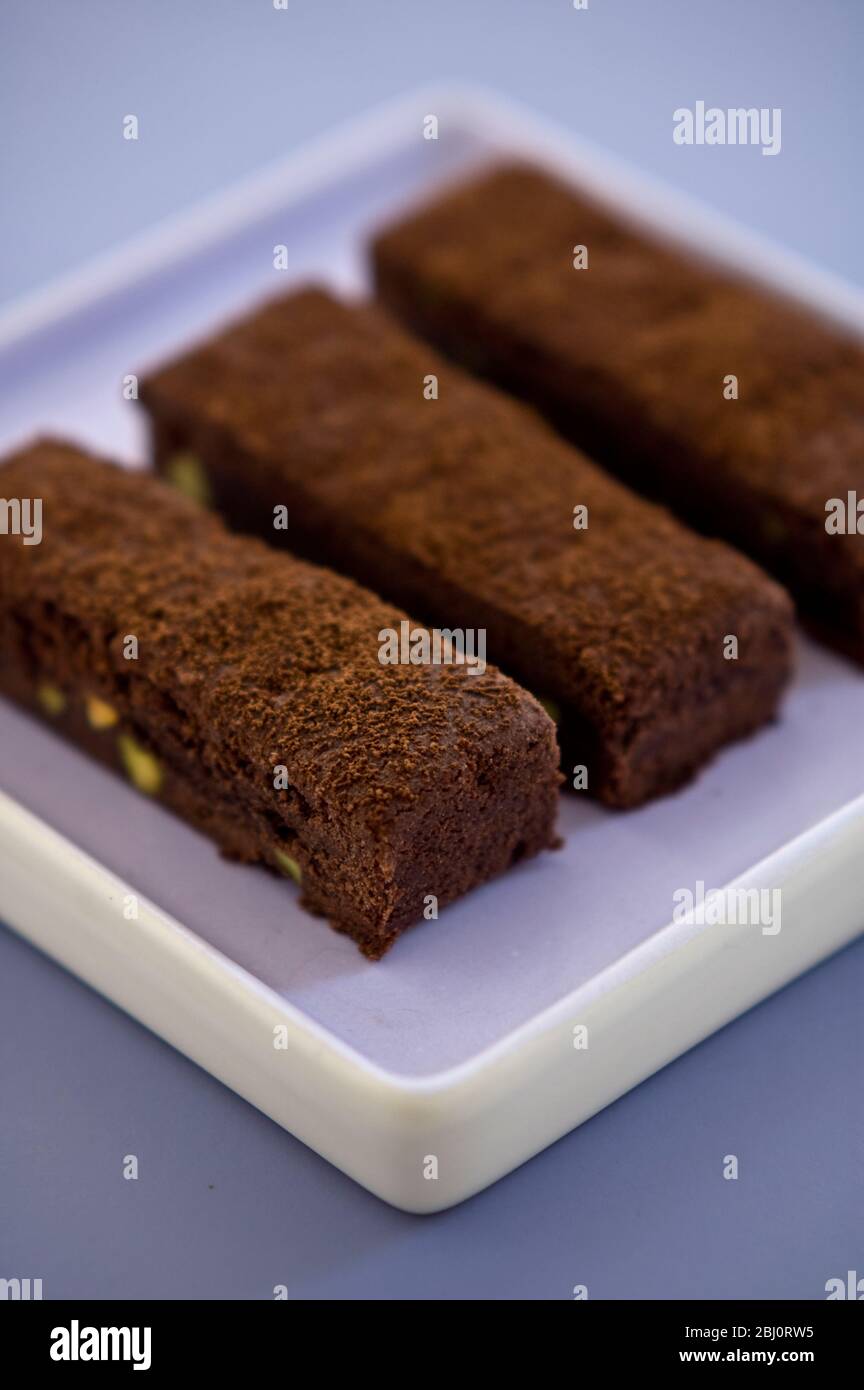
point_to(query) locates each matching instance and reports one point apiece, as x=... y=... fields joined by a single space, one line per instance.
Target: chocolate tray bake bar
x=243 y=689
x=741 y=411
x=464 y=507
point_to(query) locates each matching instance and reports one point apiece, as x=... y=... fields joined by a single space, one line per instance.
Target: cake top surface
x=652 y=322
x=269 y=658
x=473 y=486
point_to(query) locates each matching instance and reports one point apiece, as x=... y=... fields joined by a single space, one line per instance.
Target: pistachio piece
x=51 y=698
x=142 y=768
x=100 y=714
x=288 y=865
x=187 y=473
x=552 y=709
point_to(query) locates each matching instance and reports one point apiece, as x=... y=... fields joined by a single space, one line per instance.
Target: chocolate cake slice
x=740 y=410
x=244 y=689
x=326 y=426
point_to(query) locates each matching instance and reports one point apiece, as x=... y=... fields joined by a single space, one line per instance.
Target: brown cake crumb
x=461 y=508
x=402 y=781
x=630 y=359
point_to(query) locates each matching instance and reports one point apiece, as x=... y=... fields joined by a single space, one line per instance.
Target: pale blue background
x=227 y=1204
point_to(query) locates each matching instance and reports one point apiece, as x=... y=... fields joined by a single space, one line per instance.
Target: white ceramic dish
x=458 y=1047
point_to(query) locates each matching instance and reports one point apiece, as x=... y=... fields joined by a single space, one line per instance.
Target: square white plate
x=459 y=1046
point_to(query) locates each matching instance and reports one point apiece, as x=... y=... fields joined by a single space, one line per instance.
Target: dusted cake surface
x=402 y=781
x=632 y=357
x=461 y=508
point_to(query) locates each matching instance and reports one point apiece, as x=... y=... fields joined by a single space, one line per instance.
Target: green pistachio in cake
x=100 y=714
x=144 y=771
x=288 y=865
x=552 y=709
x=187 y=473
x=51 y=698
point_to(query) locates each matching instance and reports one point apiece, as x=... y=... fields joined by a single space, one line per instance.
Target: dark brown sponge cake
x=630 y=357
x=461 y=508
x=402 y=781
